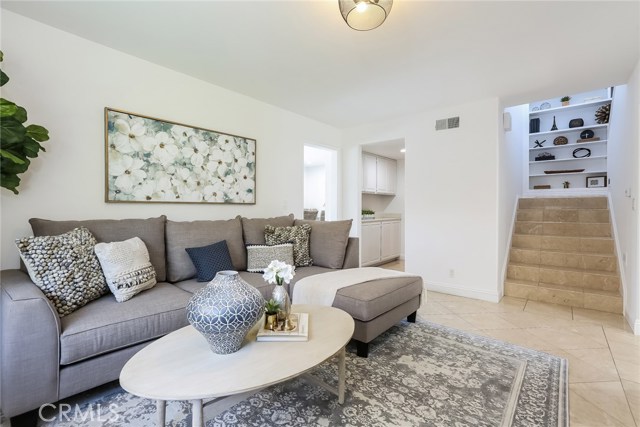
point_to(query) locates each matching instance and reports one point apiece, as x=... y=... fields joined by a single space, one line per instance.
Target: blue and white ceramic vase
x=225 y=310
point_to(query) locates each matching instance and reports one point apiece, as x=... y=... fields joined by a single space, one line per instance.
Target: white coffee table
x=181 y=366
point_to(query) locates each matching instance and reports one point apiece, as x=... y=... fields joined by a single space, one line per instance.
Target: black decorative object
x=602 y=114
x=586 y=134
x=561 y=140
x=545 y=106
x=534 y=125
x=545 y=156
x=554 y=127
x=538 y=144
x=581 y=153
x=576 y=123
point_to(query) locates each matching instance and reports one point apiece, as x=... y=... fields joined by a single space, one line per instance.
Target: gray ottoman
x=379 y=304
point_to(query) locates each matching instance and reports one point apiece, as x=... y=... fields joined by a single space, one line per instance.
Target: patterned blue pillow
x=208 y=260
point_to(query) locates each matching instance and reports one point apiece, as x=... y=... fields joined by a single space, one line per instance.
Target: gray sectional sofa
x=46 y=358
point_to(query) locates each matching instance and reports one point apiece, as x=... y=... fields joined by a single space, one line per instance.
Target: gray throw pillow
x=253 y=228
x=328 y=241
x=298 y=235
x=65 y=268
x=260 y=256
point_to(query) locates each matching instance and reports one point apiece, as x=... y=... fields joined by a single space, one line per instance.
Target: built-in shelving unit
x=582 y=106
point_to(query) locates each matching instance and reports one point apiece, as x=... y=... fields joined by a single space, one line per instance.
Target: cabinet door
x=370 y=244
x=382 y=183
x=390 y=240
x=392 y=175
x=368 y=173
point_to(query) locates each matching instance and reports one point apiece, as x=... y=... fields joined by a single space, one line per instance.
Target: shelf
x=551 y=132
x=570 y=107
x=567 y=160
x=566 y=174
x=578 y=144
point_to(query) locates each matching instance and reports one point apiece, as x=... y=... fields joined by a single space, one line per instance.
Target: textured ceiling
x=301 y=56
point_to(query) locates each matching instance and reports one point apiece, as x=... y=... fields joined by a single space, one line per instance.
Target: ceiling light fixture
x=365 y=15
x=403 y=150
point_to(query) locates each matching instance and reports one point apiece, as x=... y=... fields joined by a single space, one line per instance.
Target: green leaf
x=37 y=132
x=13 y=158
x=3 y=78
x=10 y=182
x=31 y=147
x=10 y=168
x=11 y=131
x=1 y=56
x=20 y=115
x=7 y=108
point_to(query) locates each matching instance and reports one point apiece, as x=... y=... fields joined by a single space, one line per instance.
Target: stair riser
x=564 y=215
x=573 y=202
x=559 y=259
x=564 y=244
x=575 y=279
x=563 y=229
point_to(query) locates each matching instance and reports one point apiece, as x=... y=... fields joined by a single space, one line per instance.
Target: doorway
x=320 y=183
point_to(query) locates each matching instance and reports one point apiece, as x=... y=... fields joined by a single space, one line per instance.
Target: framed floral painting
x=152 y=160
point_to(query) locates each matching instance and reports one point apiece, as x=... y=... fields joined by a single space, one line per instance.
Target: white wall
x=511 y=148
x=65 y=82
x=451 y=202
x=624 y=161
x=315 y=187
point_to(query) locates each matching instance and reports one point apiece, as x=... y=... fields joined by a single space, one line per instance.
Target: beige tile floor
x=603 y=353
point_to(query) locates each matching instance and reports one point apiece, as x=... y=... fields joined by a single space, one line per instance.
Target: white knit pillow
x=126 y=267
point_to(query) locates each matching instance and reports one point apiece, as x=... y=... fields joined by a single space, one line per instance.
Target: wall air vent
x=450 y=123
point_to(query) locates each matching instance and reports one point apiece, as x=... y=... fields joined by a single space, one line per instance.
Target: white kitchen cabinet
x=370 y=239
x=378 y=174
x=380 y=241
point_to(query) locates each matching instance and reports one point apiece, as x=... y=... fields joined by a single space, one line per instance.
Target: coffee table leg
x=196 y=413
x=160 y=410
x=341 y=375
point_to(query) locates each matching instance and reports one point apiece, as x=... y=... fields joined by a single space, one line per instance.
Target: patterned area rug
x=416 y=374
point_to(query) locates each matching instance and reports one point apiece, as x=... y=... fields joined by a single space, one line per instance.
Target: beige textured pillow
x=298 y=235
x=260 y=256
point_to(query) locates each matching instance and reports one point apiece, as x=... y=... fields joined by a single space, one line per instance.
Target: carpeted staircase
x=562 y=252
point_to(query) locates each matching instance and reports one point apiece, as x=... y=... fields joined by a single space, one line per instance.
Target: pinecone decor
x=602 y=114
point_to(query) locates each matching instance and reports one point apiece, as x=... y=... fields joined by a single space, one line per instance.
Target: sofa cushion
x=210 y=259
x=65 y=268
x=328 y=241
x=260 y=256
x=150 y=231
x=105 y=325
x=254 y=279
x=126 y=267
x=299 y=235
x=253 y=228
x=189 y=234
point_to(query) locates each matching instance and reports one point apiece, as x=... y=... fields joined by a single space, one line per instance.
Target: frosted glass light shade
x=364 y=15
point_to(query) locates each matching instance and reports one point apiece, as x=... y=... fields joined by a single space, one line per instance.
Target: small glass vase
x=281 y=296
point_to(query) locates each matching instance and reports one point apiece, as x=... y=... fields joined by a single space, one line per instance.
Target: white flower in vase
x=278 y=272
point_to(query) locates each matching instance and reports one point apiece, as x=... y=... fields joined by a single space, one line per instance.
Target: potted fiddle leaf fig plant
x=271 y=309
x=19 y=142
x=565 y=100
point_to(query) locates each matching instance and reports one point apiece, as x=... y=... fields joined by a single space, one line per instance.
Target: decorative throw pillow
x=298 y=235
x=210 y=259
x=259 y=256
x=126 y=267
x=329 y=240
x=65 y=268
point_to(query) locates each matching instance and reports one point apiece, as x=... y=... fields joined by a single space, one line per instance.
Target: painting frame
x=152 y=160
x=599 y=181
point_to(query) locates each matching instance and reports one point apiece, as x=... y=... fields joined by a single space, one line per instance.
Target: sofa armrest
x=30 y=345
x=352 y=255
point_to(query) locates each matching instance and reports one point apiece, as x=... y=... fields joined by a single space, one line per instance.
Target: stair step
x=609 y=301
x=555 y=214
x=564 y=229
x=564 y=202
x=592 y=245
x=565 y=276
x=554 y=258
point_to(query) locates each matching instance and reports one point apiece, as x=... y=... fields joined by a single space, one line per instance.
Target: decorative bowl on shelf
x=545 y=106
x=564 y=171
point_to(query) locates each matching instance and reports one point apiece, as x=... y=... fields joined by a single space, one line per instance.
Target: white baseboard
x=635 y=325
x=463 y=291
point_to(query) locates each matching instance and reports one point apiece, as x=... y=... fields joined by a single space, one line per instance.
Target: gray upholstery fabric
x=254 y=279
x=253 y=228
x=191 y=234
x=328 y=241
x=106 y=325
x=352 y=253
x=29 y=347
x=368 y=300
x=90 y=373
x=367 y=331
x=150 y=230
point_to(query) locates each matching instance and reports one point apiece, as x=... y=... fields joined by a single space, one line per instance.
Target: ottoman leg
x=412 y=317
x=362 y=349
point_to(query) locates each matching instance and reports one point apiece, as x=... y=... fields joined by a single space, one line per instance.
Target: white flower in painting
x=164 y=149
x=251 y=151
x=195 y=151
x=163 y=182
x=239 y=160
x=128 y=172
x=215 y=192
x=144 y=191
x=129 y=137
x=219 y=155
x=226 y=142
x=181 y=133
x=245 y=180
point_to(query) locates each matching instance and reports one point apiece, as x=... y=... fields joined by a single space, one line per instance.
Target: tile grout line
x=619 y=378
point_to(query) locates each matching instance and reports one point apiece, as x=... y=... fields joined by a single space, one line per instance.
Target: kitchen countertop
x=381 y=219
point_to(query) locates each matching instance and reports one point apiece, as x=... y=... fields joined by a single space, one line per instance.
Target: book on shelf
x=299 y=333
